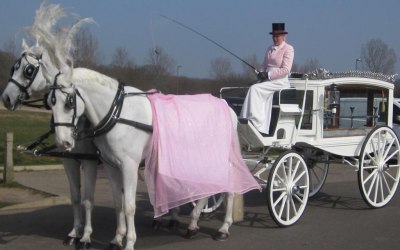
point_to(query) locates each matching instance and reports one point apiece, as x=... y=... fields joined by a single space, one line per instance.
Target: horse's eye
x=29 y=71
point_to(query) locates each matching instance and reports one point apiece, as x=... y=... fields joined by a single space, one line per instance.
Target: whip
x=209 y=39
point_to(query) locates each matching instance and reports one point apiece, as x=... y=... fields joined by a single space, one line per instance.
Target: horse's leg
x=72 y=170
x=89 y=174
x=223 y=232
x=115 y=177
x=195 y=215
x=130 y=179
x=174 y=222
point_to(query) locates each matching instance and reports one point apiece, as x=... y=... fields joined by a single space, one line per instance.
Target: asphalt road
x=337 y=218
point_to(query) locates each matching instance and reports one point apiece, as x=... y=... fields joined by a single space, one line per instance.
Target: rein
x=49 y=150
x=113 y=116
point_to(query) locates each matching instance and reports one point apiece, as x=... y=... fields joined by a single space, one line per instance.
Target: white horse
x=27 y=78
x=123 y=146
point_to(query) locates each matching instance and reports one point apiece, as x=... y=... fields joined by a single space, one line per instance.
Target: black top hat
x=278 y=29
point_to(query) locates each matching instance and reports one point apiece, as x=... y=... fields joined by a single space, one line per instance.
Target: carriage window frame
x=370 y=108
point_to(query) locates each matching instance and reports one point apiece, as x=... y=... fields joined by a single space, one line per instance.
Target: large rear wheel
x=379 y=172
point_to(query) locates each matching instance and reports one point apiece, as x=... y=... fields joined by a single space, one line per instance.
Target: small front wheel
x=288 y=188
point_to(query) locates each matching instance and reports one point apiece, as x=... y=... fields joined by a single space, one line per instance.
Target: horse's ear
x=24 y=45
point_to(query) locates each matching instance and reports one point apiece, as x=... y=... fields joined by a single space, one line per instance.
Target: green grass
x=5 y=204
x=26 y=127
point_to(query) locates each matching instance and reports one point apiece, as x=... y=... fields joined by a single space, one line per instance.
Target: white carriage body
x=338 y=139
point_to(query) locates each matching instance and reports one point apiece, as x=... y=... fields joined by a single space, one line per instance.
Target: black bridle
x=70 y=103
x=110 y=119
x=29 y=71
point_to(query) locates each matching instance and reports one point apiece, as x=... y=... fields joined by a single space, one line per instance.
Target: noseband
x=30 y=71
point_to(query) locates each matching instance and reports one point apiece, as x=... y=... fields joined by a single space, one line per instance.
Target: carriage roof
x=325 y=78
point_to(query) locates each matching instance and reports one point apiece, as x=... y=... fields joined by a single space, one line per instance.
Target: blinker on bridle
x=70 y=102
x=30 y=71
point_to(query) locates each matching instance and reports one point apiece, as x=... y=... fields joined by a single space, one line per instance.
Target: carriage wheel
x=379 y=172
x=288 y=188
x=317 y=169
x=213 y=203
x=318 y=172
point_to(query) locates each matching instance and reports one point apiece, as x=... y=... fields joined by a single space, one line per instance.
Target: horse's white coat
x=123 y=146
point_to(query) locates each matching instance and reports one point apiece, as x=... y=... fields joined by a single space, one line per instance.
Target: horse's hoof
x=156 y=224
x=83 y=245
x=113 y=246
x=70 y=241
x=190 y=234
x=221 y=236
x=173 y=224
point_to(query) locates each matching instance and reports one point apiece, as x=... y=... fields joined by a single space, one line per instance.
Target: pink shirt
x=278 y=61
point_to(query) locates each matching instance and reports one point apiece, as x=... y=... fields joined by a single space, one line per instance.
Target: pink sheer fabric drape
x=194 y=152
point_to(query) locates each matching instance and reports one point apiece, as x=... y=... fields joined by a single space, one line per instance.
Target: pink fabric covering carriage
x=194 y=152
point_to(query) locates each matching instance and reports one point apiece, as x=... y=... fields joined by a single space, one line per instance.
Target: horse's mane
x=57 y=40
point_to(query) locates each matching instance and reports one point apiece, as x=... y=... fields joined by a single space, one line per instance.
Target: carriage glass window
x=360 y=108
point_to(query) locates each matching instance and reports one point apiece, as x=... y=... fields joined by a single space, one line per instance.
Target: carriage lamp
x=333 y=98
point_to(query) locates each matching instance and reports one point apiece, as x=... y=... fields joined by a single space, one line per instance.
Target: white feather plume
x=57 y=40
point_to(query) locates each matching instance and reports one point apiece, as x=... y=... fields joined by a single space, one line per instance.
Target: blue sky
x=332 y=31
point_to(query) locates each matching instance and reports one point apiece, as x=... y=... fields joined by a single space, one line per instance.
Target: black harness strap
x=49 y=150
x=112 y=117
x=139 y=125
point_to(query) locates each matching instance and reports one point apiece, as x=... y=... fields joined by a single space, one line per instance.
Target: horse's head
x=27 y=76
x=67 y=106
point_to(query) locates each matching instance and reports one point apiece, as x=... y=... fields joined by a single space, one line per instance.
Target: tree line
x=161 y=72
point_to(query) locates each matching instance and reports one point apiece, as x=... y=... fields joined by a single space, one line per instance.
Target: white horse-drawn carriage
x=318 y=121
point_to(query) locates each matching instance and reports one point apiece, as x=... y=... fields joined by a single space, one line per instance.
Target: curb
x=47 y=202
x=36 y=168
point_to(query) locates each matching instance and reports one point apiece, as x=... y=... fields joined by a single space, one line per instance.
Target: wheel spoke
x=295 y=169
x=298 y=198
x=370 y=176
x=385 y=180
x=372 y=184
x=390 y=156
x=388 y=147
x=282 y=189
x=293 y=206
x=282 y=206
x=316 y=176
x=283 y=194
x=288 y=209
x=299 y=177
x=376 y=188
x=391 y=177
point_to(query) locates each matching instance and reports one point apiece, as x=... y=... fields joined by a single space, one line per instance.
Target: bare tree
x=11 y=48
x=310 y=65
x=221 y=68
x=160 y=62
x=376 y=56
x=86 y=49
x=248 y=72
x=121 y=58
